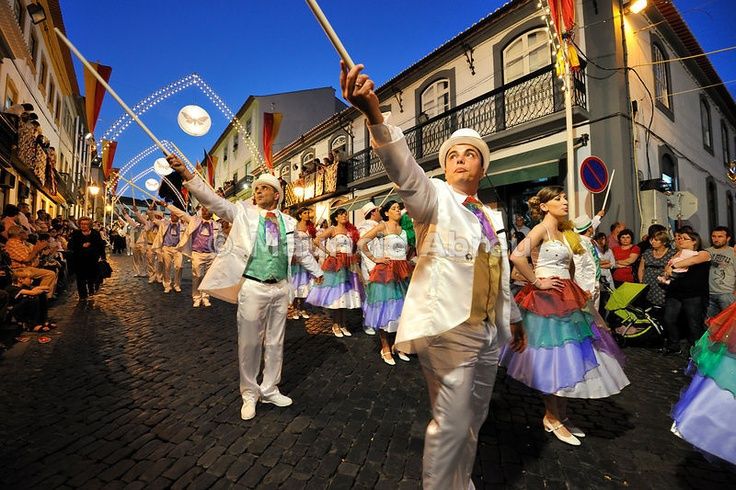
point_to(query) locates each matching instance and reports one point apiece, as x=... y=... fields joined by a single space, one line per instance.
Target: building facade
x=44 y=154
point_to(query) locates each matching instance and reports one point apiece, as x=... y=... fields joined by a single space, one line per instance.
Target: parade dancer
x=301 y=279
x=389 y=280
x=341 y=289
x=253 y=271
x=198 y=242
x=704 y=414
x=372 y=217
x=458 y=307
x=150 y=225
x=570 y=352
x=587 y=264
x=166 y=243
x=139 y=249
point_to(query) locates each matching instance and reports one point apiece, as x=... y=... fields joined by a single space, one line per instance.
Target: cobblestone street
x=139 y=390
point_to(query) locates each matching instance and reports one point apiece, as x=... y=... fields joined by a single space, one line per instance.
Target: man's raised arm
x=218 y=205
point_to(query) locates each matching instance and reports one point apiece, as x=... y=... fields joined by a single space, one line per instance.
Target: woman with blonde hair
x=570 y=352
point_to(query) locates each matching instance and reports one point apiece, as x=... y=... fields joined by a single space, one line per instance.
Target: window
x=11 y=94
x=662 y=83
x=20 y=14
x=249 y=126
x=435 y=99
x=339 y=147
x=235 y=143
x=710 y=190
x=57 y=109
x=42 y=75
x=705 y=124
x=729 y=210
x=52 y=92
x=33 y=46
x=529 y=52
x=725 y=143
x=669 y=172
x=224 y=153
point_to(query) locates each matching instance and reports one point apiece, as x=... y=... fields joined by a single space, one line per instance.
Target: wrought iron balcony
x=526 y=99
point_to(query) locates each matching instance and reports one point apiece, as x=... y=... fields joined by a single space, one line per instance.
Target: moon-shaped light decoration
x=162 y=167
x=194 y=120
x=152 y=185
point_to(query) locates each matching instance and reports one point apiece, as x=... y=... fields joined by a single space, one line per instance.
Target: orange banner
x=271 y=125
x=94 y=93
x=210 y=163
x=108 y=154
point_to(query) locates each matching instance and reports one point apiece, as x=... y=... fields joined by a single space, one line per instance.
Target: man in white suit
x=199 y=242
x=253 y=270
x=167 y=240
x=139 y=247
x=458 y=309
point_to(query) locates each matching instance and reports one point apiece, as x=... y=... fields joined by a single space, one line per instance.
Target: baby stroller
x=630 y=321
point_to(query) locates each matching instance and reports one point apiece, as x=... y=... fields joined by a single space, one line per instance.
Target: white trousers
x=154 y=266
x=201 y=262
x=460 y=369
x=172 y=259
x=261 y=324
x=139 y=259
x=129 y=243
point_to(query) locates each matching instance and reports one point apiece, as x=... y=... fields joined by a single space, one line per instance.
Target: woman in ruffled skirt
x=389 y=279
x=705 y=415
x=570 y=352
x=301 y=279
x=341 y=289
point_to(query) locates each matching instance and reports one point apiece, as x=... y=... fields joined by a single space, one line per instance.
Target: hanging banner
x=210 y=163
x=271 y=125
x=562 y=13
x=94 y=93
x=108 y=154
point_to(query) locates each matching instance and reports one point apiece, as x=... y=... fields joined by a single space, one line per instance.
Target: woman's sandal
x=553 y=428
x=40 y=328
x=401 y=355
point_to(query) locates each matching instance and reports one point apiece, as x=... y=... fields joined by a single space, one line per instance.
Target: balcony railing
x=526 y=99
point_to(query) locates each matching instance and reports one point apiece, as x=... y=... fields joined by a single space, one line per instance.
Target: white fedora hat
x=273 y=181
x=465 y=136
x=367 y=208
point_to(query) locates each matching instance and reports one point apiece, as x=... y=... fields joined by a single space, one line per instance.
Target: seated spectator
x=24 y=258
x=625 y=254
x=29 y=303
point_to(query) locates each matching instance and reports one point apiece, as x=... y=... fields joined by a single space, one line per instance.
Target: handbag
x=105 y=269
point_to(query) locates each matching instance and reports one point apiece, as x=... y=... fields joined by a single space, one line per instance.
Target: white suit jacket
x=225 y=277
x=448 y=236
x=163 y=225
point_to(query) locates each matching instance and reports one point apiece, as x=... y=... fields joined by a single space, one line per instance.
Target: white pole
x=610 y=184
x=331 y=34
x=110 y=90
x=572 y=167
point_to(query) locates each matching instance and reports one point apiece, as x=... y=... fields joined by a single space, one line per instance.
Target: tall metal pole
x=572 y=167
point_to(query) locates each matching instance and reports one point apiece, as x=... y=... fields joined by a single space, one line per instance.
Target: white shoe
x=206 y=302
x=336 y=331
x=369 y=331
x=554 y=428
x=294 y=316
x=248 y=410
x=177 y=289
x=576 y=431
x=403 y=356
x=345 y=332
x=197 y=303
x=277 y=399
x=304 y=315
x=167 y=290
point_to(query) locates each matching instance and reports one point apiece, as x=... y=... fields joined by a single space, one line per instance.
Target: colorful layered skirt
x=385 y=293
x=570 y=351
x=341 y=286
x=705 y=415
x=301 y=280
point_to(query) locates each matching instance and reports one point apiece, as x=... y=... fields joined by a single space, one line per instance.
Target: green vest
x=267 y=263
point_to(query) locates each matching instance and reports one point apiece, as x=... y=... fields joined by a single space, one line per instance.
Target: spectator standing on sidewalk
x=87 y=247
x=722 y=277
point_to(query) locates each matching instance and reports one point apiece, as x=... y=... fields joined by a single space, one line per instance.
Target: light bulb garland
x=554 y=40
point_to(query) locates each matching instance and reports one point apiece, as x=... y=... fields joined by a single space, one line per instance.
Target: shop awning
x=527 y=166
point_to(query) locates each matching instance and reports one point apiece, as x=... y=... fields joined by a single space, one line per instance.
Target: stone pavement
x=139 y=390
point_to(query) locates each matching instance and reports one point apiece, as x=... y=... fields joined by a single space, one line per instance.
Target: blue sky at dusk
x=247 y=47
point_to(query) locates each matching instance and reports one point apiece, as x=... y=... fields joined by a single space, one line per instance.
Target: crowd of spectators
x=38 y=255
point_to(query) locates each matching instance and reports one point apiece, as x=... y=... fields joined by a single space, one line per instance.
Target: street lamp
x=93 y=190
x=636 y=6
x=37 y=13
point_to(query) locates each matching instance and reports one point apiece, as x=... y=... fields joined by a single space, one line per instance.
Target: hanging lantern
x=152 y=185
x=194 y=120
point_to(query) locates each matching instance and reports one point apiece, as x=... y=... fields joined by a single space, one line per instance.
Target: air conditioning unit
x=653 y=209
x=7 y=180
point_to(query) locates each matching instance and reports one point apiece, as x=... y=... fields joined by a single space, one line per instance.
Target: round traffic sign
x=594 y=174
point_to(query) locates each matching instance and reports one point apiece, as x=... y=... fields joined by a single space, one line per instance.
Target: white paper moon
x=152 y=185
x=161 y=166
x=194 y=120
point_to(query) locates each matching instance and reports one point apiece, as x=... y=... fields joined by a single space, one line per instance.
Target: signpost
x=594 y=174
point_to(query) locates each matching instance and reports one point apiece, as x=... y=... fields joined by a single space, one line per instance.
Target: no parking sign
x=594 y=174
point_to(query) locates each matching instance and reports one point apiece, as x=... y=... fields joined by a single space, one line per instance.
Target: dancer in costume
x=198 y=241
x=253 y=270
x=301 y=279
x=341 y=289
x=458 y=307
x=389 y=279
x=139 y=247
x=166 y=243
x=570 y=352
x=371 y=217
x=704 y=415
